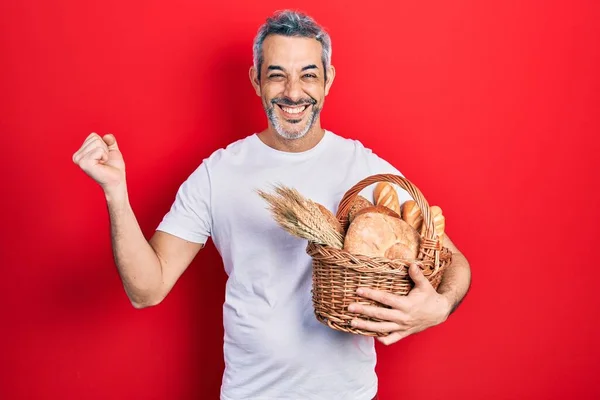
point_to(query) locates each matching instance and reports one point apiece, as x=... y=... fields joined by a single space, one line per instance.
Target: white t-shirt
x=274 y=347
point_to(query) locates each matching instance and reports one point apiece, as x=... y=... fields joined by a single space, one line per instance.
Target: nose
x=293 y=89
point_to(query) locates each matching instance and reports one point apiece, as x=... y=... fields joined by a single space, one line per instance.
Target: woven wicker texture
x=337 y=274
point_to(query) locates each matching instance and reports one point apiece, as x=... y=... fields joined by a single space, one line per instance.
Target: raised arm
x=148 y=269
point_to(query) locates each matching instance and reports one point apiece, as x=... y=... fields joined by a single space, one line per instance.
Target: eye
x=311 y=76
x=272 y=76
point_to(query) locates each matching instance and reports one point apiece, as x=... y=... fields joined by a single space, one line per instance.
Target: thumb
x=417 y=276
x=110 y=141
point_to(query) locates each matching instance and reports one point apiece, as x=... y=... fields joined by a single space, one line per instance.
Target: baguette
x=411 y=213
x=439 y=223
x=385 y=195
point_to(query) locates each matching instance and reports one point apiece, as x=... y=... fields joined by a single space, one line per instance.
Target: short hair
x=291 y=23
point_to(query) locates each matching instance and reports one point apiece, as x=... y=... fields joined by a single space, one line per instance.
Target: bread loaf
x=358 y=204
x=378 y=234
x=439 y=223
x=377 y=209
x=385 y=195
x=331 y=219
x=411 y=213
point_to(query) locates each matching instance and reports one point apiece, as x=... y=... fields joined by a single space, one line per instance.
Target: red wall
x=491 y=108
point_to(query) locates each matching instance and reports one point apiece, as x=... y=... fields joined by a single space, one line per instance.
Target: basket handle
x=415 y=193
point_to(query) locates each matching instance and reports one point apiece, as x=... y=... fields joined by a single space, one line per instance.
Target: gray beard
x=292 y=134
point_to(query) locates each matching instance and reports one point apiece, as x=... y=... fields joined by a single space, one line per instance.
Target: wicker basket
x=337 y=274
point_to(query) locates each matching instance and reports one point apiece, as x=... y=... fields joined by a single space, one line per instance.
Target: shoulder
x=219 y=158
x=226 y=155
x=371 y=160
x=236 y=149
x=357 y=147
x=348 y=144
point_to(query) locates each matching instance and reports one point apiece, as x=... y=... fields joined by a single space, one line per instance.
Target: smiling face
x=292 y=84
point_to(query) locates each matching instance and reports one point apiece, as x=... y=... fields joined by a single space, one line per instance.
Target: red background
x=491 y=108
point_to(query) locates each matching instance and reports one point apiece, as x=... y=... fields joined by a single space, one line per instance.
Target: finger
x=98 y=154
x=89 y=146
x=372 y=326
x=91 y=137
x=111 y=142
x=393 y=337
x=94 y=156
x=389 y=299
x=417 y=276
x=103 y=156
x=93 y=143
x=374 y=311
x=400 y=318
x=78 y=154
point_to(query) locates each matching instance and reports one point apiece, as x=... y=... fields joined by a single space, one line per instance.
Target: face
x=292 y=84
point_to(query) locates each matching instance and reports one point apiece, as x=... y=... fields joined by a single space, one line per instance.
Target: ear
x=254 y=80
x=330 y=78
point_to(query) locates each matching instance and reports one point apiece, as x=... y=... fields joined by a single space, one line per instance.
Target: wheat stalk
x=301 y=217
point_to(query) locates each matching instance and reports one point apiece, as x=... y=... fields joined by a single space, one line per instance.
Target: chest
x=238 y=209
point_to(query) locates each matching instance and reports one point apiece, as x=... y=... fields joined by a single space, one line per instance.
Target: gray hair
x=291 y=23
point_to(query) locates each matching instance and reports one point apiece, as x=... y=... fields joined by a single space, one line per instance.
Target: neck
x=272 y=139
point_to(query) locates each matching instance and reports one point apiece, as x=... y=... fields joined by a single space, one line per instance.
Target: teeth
x=295 y=110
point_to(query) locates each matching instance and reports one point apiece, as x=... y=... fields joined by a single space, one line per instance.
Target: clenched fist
x=100 y=158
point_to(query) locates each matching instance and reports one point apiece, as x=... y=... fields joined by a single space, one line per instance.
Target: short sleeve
x=190 y=215
x=378 y=165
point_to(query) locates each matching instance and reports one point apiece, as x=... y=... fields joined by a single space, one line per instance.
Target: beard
x=297 y=130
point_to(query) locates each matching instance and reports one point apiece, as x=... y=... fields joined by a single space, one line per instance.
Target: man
x=274 y=347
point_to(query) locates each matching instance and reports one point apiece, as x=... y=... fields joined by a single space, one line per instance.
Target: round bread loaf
x=358 y=204
x=377 y=209
x=376 y=233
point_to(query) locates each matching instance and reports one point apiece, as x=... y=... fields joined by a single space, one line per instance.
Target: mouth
x=293 y=112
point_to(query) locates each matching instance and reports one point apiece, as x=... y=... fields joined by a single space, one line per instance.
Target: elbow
x=147 y=301
x=138 y=305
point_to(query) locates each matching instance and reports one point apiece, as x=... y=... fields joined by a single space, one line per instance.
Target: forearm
x=456 y=281
x=138 y=265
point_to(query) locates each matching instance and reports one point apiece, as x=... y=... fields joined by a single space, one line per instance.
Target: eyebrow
x=279 y=68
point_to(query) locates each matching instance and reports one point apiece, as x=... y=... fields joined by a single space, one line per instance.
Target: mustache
x=286 y=101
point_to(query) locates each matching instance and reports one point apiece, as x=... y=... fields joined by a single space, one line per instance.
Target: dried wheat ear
x=303 y=218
